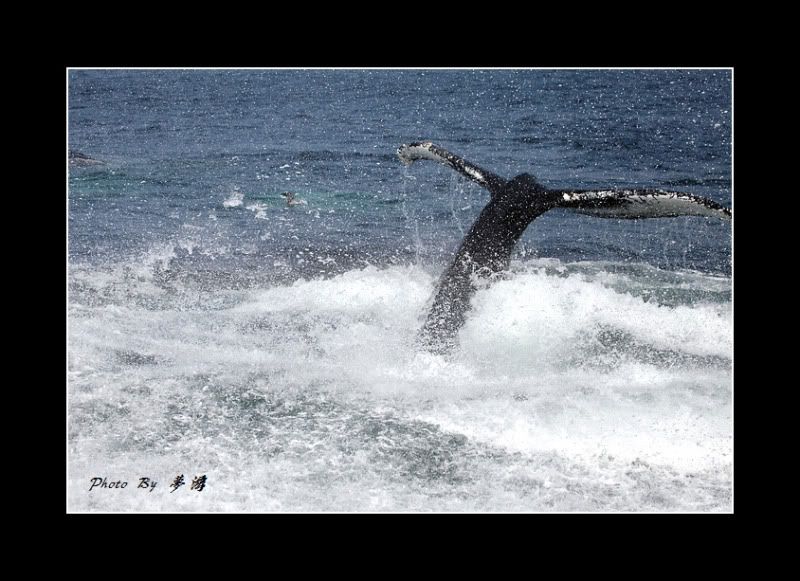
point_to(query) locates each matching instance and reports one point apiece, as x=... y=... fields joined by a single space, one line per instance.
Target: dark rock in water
x=77 y=158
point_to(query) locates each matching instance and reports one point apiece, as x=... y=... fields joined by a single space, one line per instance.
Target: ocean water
x=214 y=331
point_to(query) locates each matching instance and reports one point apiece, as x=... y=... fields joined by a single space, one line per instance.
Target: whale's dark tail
x=640 y=203
x=410 y=153
x=514 y=204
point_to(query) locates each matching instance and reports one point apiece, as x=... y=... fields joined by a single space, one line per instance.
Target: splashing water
x=214 y=331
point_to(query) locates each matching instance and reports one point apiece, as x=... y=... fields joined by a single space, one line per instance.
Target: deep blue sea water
x=214 y=330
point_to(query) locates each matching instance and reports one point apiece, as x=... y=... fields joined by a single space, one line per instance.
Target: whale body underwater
x=486 y=249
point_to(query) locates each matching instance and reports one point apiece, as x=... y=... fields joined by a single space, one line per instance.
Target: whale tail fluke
x=412 y=152
x=632 y=204
x=515 y=203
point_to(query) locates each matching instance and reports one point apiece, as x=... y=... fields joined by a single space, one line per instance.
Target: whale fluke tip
x=409 y=153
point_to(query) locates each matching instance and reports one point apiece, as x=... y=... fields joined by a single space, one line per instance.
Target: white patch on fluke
x=473 y=172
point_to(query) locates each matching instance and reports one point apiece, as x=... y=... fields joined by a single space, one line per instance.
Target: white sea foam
x=259 y=209
x=234 y=200
x=561 y=381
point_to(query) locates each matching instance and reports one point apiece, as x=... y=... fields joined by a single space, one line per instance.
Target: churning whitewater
x=245 y=354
